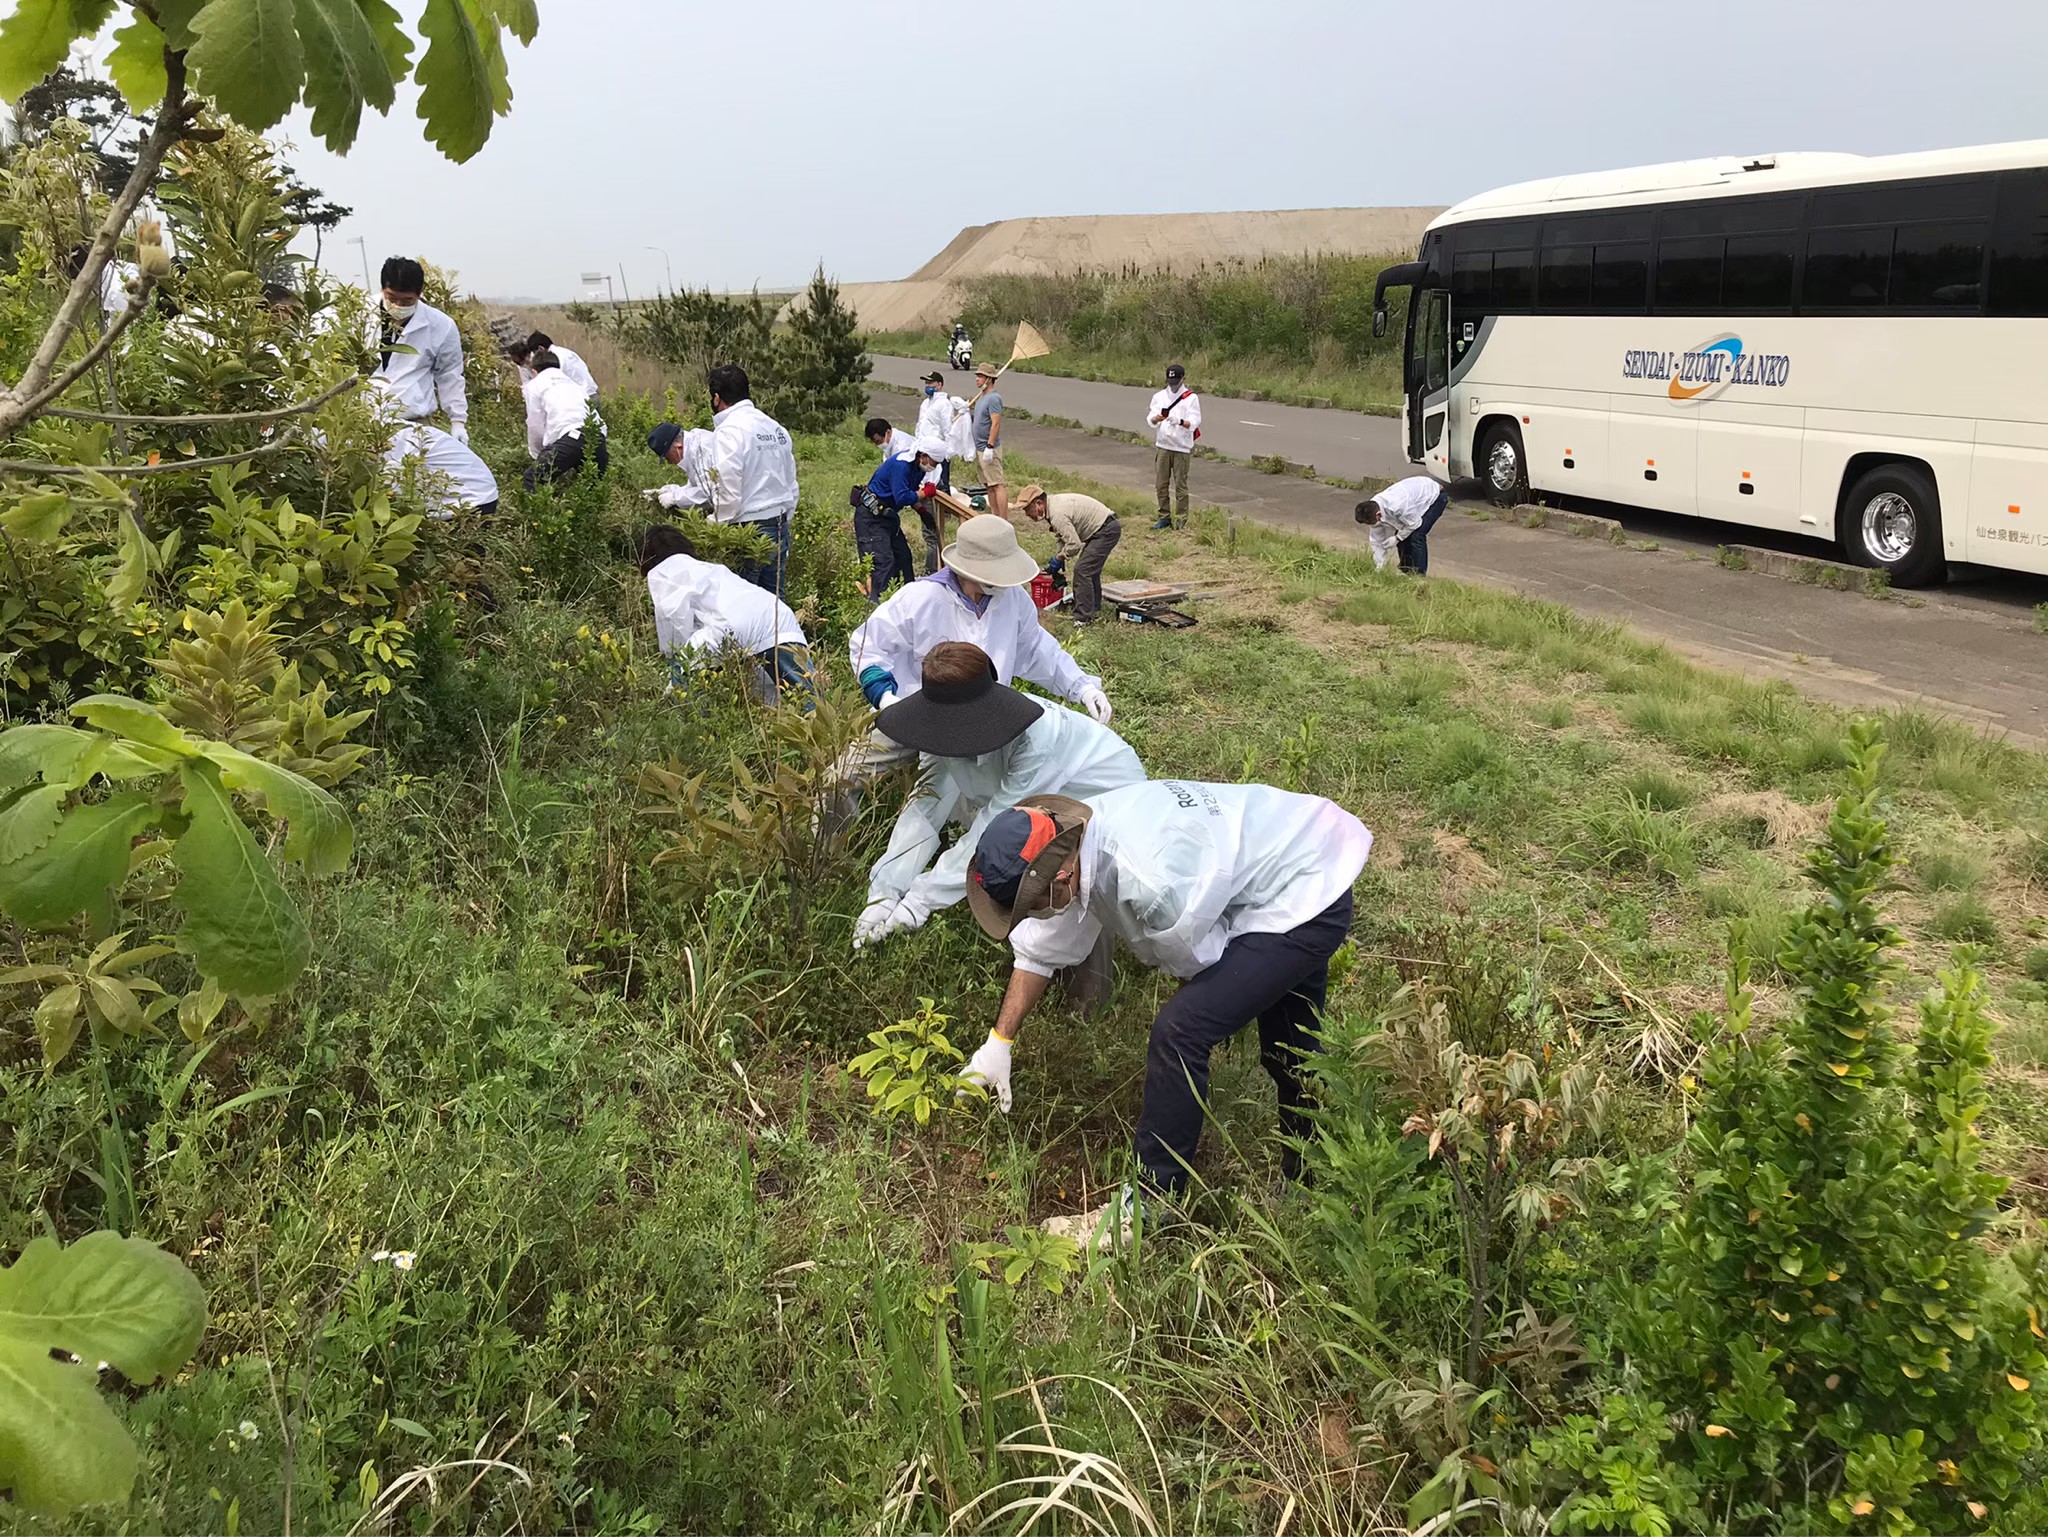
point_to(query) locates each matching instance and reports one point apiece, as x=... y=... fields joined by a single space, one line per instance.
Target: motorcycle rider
x=961 y=353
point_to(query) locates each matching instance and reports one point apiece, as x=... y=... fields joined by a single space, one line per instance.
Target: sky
x=750 y=141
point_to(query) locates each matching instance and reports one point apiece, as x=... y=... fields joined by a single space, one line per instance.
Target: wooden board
x=1143 y=592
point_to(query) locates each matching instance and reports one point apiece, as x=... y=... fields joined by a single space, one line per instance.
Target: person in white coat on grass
x=1398 y=520
x=753 y=471
x=419 y=350
x=937 y=413
x=983 y=749
x=701 y=608
x=1241 y=892
x=1176 y=416
x=978 y=597
x=556 y=412
x=689 y=450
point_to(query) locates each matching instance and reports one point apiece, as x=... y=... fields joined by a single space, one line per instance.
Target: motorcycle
x=960 y=355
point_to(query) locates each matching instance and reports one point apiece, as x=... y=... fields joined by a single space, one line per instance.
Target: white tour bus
x=1850 y=347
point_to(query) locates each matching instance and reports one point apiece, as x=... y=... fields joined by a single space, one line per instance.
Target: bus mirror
x=1379 y=323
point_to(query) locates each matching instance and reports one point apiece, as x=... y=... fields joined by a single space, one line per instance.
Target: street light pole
x=364 y=246
x=665 y=266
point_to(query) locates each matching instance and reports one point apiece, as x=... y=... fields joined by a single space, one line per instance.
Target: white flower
x=247 y=1430
x=401 y=1259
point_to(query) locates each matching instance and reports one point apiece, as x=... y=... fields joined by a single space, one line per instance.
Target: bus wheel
x=1502 y=466
x=1892 y=520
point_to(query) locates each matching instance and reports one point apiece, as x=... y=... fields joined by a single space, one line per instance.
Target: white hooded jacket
x=1177 y=432
x=699 y=605
x=1063 y=752
x=1177 y=870
x=899 y=634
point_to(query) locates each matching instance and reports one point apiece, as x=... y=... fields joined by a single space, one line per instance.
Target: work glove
x=873 y=922
x=888 y=698
x=990 y=1067
x=1056 y=566
x=1096 y=703
x=459 y=431
x=927 y=491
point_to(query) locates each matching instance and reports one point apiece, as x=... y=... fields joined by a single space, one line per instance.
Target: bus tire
x=1891 y=520
x=1503 y=467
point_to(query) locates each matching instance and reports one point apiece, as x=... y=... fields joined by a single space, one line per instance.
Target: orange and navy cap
x=1019 y=854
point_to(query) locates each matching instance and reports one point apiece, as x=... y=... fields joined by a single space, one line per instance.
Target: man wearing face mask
x=1243 y=892
x=936 y=414
x=428 y=377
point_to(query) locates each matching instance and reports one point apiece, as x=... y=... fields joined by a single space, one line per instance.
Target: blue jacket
x=895 y=483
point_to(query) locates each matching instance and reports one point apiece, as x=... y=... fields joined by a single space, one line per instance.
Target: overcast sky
x=753 y=138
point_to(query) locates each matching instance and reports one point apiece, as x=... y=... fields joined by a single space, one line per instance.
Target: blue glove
x=876 y=682
x=1056 y=566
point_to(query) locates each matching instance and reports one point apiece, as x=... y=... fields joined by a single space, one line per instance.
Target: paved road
x=1344 y=443
x=1959 y=653
x=1353 y=445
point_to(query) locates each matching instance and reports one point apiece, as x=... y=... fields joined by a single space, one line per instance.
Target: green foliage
x=1029 y=1254
x=65 y=854
x=824 y=368
x=1824 y=1306
x=66 y=1315
x=259 y=58
x=1615 y=1473
x=913 y=1072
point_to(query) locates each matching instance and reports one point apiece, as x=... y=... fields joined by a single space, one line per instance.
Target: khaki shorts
x=991 y=462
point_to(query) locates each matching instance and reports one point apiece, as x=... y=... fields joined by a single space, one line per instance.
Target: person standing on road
x=984 y=748
x=556 y=412
x=1242 y=892
x=988 y=440
x=753 y=471
x=1176 y=412
x=428 y=378
x=1398 y=521
x=1086 y=530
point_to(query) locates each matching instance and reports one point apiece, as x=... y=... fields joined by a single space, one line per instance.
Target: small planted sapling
x=913 y=1070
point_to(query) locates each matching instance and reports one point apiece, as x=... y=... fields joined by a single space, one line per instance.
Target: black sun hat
x=960 y=720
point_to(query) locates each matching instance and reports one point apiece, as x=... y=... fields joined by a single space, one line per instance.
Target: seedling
x=914 y=1070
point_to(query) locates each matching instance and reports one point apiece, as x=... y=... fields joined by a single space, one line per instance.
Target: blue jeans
x=769 y=573
x=1414 y=550
x=786 y=669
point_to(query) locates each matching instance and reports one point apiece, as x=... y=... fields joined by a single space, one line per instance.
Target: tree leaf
x=122 y=716
x=388 y=27
x=520 y=17
x=38 y=517
x=51 y=752
x=345 y=69
x=57 y=1021
x=492 y=38
x=131 y=575
x=321 y=838
x=34 y=40
x=248 y=58
x=454 y=75
x=137 y=63
x=241 y=926
x=77 y=868
x=106 y=1298
x=175 y=17
x=30 y=822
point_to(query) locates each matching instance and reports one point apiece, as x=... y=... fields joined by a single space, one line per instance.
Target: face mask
x=930 y=390
x=400 y=311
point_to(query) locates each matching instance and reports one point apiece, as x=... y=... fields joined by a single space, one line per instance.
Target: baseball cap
x=934 y=377
x=663 y=438
x=1017 y=857
x=1175 y=371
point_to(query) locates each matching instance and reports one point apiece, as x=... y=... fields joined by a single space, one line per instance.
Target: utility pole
x=628 y=292
x=364 y=246
x=665 y=266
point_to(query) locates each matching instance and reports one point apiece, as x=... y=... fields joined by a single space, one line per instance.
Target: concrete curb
x=1808 y=570
x=1580 y=525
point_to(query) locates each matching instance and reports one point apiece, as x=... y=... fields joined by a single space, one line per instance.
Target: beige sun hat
x=986 y=551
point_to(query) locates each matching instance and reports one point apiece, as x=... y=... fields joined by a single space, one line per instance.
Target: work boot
x=1162 y=522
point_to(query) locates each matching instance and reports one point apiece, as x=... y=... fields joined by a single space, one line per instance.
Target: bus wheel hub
x=1889 y=527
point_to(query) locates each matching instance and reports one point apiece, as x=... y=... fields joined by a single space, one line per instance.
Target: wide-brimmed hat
x=1029 y=494
x=960 y=720
x=986 y=551
x=1019 y=854
x=985 y=370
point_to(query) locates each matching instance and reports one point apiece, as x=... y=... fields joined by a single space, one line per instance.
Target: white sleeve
x=448 y=381
x=1382 y=539
x=880 y=642
x=1030 y=773
x=1179 y=907
x=1044 y=661
x=728 y=473
x=536 y=422
x=1151 y=410
x=914 y=839
x=1191 y=410
x=1042 y=946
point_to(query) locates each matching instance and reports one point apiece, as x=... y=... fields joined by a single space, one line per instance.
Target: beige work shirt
x=1075 y=519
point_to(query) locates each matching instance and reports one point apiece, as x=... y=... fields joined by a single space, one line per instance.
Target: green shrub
x=1964 y=920
x=1824 y=1315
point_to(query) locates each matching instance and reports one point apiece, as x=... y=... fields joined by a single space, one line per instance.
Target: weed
x=1964 y=919
x=1634 y=834
x=1659 y=790
x=1950 y=866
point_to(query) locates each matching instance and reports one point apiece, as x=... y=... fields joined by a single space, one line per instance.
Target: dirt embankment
x=1112 y=242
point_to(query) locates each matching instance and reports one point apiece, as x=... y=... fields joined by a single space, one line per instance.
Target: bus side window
x=1514 y=280
x=1689 y=274
x=1758 y=272
x=1847 y=268
x=1938 y=266
x=2019 y=245
x=1564 y=283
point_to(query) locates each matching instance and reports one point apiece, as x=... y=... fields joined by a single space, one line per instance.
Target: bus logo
x=1703 y=372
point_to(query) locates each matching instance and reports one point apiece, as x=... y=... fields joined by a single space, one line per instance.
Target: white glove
x=888 y=698
x=990 y=1067
x=873 y=922
x=459 y=431
x=1096 y=703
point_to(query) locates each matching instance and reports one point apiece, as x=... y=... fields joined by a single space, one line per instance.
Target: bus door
x=1429 y=381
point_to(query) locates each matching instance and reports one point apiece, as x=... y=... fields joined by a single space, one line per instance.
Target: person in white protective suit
x=1243 y=892
x=979 y=597
x=689 y=450
x=985 y=747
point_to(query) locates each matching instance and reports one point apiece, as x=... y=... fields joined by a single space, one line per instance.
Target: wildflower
x=401 y=1259
x=247 y=1430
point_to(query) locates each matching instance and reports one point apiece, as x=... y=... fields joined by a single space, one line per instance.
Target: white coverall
x=1063 y=752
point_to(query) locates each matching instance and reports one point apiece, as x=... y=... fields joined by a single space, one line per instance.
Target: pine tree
x=824 y=366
